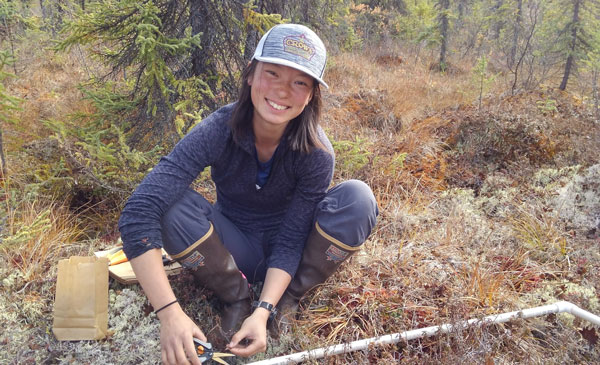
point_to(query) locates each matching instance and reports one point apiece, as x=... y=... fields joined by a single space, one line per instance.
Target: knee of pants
x=184 y=223
x=348 y=212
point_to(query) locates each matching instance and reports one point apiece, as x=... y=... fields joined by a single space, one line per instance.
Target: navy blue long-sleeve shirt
x=285 y=204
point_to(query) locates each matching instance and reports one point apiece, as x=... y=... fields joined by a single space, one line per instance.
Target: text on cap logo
x=299 y=46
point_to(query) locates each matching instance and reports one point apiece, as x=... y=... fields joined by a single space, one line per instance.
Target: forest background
x=476 y=123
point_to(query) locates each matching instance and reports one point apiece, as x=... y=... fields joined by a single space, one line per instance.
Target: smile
x=276 y=106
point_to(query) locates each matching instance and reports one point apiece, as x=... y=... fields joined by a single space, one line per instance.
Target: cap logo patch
x=192 y=261
x=299 y=46
x=335 y=254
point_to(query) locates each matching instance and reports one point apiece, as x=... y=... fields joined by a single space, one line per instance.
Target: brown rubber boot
x=322 y=256
x=213 y=267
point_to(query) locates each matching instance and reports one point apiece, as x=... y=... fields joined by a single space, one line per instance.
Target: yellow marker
x=117 y=258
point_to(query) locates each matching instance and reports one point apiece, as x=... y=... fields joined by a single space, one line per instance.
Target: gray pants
x=347 y=213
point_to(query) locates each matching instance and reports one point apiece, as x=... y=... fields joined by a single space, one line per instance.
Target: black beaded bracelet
x=165 y=306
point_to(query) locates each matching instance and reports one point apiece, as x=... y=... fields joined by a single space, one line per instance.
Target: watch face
x=262 y=304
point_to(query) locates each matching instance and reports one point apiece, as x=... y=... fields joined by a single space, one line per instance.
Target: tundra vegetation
x=476 y=123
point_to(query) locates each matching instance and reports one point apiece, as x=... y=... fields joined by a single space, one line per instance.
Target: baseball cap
x=296 y=46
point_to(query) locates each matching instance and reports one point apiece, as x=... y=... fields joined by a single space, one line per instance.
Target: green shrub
x=351 y=156
x=87 y=168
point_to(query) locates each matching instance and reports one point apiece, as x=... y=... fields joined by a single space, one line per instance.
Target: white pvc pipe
x=560 y=307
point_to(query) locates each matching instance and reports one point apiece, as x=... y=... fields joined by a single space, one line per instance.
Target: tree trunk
x=276 y=7
x=2 y=159
x=10 y=40
x=571 y=57
x=462 y=13
x=199 y=22
x=595 y=94
x=202 y=59
x=516 y=34
x=443 y=22
x=252 y=35
x=43 y=9
x=499 y=23
x=522 y=57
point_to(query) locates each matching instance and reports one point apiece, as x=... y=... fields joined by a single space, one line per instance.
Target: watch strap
x=265 y=305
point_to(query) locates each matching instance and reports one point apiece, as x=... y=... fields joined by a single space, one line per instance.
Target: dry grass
x=540 y=233
x=36 y=233
x=413 y=90
x=47 y=83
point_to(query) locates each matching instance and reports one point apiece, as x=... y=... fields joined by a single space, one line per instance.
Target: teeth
x=276 y=106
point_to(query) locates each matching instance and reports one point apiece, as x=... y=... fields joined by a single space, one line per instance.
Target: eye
x=304 y=83
x=271 y=72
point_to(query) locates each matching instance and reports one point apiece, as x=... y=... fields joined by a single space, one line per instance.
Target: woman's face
x=279 y=93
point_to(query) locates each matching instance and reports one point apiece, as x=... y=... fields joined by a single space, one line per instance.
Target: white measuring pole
x=560 y=307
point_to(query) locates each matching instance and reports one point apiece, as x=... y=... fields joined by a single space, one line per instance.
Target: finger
x=190 y=350
x=197 y=333
x=237 y=337
x=250 y=350
x=240 y=351
x=163 y=357
x=180 y=355
x=170 y=356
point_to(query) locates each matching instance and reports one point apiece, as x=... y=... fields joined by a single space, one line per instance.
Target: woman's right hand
x=177 y=331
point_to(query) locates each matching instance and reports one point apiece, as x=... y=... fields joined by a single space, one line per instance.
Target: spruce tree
x=166 y=59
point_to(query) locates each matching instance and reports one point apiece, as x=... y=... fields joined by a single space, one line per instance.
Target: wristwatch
x=266 y=305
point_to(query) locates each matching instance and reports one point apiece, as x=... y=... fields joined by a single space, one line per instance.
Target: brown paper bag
x=81 y=303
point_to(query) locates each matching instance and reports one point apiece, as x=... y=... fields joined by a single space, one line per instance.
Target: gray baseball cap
x=296 y=46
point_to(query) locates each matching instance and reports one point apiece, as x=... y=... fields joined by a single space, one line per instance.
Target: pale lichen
x=582 y=296
x=579 y=201
x=13 y=281
x=133 y=335
x=549 y=179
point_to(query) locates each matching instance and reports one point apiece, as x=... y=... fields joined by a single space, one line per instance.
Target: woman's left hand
x=254 y=329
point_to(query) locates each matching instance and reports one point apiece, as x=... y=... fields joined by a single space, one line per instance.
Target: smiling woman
x=275 y=219
x=279 y=94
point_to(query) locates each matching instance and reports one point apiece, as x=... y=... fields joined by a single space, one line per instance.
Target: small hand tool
x=205 y=352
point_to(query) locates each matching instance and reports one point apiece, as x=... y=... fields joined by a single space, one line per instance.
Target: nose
x=283 y=89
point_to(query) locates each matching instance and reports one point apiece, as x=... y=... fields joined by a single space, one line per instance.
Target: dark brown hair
x=301 y=132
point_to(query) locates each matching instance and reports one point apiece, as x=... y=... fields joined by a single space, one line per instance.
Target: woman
x=274 y=221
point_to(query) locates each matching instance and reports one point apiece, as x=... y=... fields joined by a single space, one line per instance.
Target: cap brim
x=293 y=65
